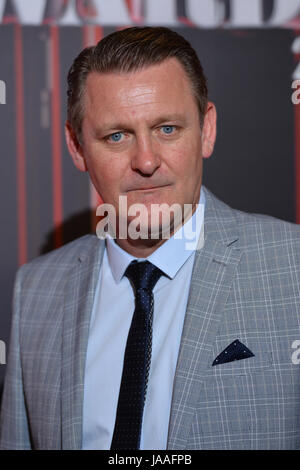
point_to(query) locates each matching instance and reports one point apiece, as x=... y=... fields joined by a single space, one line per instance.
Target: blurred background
x=250 y=51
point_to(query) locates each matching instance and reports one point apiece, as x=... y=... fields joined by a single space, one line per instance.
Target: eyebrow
x=124 y=126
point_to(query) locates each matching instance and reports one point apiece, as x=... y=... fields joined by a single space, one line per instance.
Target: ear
x=74 y=148
x=209 y=130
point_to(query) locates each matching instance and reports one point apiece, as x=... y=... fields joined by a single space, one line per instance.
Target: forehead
x=163 y=85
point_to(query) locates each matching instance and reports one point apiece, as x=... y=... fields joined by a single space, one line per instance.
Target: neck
x=139 y=248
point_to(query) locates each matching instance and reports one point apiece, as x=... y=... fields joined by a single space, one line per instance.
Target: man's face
x=141 y=136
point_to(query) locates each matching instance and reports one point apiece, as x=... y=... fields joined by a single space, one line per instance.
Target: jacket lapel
x=214 y=269
x=79 y=297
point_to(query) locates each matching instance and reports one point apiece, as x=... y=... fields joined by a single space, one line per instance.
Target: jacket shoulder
x=262 y=238
x=264 y=230
x=250 y=228
x=60 y=260
x=269 y=244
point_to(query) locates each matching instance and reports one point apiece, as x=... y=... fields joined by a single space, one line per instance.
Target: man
x=218 y=367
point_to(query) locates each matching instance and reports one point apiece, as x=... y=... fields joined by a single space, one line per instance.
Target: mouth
x=148 y=188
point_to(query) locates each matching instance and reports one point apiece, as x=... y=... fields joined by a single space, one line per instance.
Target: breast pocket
x=251 y=403
x=261 y=360
x=231 y=392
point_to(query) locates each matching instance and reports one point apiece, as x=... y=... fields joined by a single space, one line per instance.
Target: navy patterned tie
x=127 y=432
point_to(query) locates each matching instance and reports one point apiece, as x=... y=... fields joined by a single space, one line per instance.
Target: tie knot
x=143 y=275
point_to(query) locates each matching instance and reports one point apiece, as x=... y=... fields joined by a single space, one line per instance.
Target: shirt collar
x=171 y=255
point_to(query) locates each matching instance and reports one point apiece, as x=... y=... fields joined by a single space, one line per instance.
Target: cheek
x=185 y=160
x=106 y=171
x=108 y=180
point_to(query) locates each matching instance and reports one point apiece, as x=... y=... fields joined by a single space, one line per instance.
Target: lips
x=148 y=188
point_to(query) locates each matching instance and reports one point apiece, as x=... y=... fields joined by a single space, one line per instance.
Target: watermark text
x=2 y=92
x=151 y=461
x=155 y=222
x=2 y=352
x=296 y=94
x=296 y=353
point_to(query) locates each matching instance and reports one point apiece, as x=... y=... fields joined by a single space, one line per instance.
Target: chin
x=148 y=228
x=148 y=197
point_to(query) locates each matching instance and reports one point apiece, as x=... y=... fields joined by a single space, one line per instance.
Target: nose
x=146 y=158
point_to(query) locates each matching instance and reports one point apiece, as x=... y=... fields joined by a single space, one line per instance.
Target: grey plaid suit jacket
x=245 y=285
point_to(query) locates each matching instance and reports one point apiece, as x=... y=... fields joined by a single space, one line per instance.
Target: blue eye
x=168 y=129
x=116 y=137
